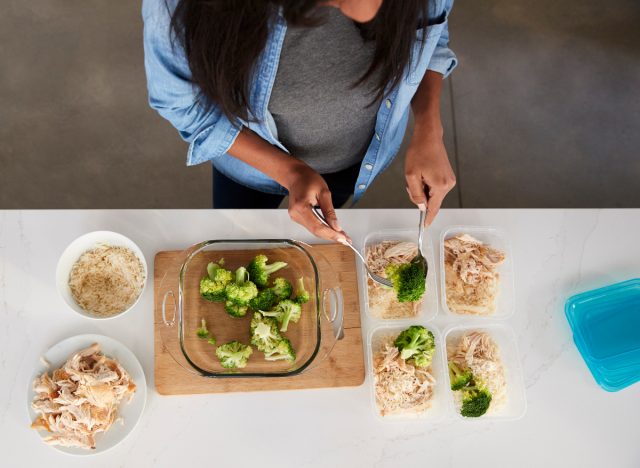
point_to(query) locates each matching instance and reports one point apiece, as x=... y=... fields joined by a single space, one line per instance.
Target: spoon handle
x=423 y=216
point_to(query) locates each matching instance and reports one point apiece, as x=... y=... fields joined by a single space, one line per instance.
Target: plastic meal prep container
x=313 y=337
x=496 y=238
x=605 y=324
x=439 y=401
x=516 y=403
x=429 y=308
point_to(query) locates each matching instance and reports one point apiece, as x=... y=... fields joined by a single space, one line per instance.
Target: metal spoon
x=378 y=279
x=419 y=259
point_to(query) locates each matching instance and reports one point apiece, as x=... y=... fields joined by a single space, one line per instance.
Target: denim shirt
x=210 y=134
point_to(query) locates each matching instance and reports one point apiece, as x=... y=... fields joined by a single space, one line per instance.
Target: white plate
x=79 y=246
x=130 y=412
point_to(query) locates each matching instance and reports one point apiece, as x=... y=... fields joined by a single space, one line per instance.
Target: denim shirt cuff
x=212 y=142
x=443 y=61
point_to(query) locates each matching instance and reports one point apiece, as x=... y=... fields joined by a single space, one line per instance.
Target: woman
x=308 y=98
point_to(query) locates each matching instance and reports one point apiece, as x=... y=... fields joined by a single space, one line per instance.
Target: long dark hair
x=223 y=38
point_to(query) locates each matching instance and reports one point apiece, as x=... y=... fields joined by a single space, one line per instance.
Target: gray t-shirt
x=320 y=117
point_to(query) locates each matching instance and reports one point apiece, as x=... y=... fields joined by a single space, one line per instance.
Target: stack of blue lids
x=606 y=330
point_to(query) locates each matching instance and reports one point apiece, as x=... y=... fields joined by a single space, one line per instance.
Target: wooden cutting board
x=343 y=368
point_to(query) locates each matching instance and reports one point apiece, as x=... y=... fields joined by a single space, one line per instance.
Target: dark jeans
x=230 y=194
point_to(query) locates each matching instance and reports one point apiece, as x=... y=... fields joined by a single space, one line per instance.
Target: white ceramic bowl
x=130 y=412
x=79 y=246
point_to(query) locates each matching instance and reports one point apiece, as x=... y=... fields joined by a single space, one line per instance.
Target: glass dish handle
x=164 y=308
x=334 y=312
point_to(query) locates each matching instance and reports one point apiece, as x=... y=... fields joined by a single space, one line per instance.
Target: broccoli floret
x=259 y=270
x=233 y=355
x=235 y=310
x=212 y=286
x=265 y=300
x=408 y=281
x=416 y=344
x=241 y=291
x=475 y=400
x=459 y=378
x=264 y=333
x=282 y=351
x=202 y=331
x=302 y=295
x=282 y=288
x=286 y=311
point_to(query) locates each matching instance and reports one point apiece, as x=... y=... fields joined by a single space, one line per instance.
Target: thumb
x=415 y=189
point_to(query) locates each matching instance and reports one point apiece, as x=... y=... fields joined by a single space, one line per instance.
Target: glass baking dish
x=313 y=337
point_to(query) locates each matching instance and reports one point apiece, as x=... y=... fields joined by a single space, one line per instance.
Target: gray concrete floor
x=543 y=110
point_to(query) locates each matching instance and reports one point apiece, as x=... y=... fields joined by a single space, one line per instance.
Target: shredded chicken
x=477 y=351
x=472 y=282
x=382 y=300
x=80 y=399
x=400 y=387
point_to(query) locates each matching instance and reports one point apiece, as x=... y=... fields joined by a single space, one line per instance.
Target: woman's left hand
x=428 y=172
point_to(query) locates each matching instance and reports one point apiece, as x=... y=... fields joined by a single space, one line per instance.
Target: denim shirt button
x=368 y=167
x=388 y=103
x=362 y=186
x=378 y=136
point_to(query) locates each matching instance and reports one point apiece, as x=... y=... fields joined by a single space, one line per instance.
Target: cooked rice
x=106 y=280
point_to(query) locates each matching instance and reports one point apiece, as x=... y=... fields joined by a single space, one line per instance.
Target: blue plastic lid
x=606 y=330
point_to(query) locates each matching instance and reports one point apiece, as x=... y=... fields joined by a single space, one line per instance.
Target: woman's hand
x=306 y=189
x=428 y=172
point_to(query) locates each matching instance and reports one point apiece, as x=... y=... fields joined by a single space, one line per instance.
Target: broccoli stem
x=274 y=267
x=242 y=275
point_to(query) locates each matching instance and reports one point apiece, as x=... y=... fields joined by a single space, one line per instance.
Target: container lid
x=606 y=324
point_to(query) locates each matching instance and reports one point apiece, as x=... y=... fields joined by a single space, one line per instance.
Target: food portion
x=408 y=281
x=472 y=281
x=80 y=399
x=392 y=259
x=266 y=337
x=273 y=302
x=402 y=370
x=203 y=333
x=476 y=373
x=213 y=285
x=233 y=355
x=106 y=280
x=259 y=270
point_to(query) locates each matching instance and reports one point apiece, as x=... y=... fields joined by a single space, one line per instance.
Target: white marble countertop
x=570 y=421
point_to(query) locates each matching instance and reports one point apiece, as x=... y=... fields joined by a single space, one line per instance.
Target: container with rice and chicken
x=397 y=247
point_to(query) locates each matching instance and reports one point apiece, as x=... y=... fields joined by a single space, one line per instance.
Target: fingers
x=433 y=204
x=326 y=205
x=301 y=213
x=415 y=188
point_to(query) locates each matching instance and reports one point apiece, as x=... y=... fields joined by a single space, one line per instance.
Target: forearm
x=426 y=106
x=268 y=159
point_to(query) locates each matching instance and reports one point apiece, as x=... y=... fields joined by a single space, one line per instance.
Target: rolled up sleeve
x=443 y=60
x=208 y=131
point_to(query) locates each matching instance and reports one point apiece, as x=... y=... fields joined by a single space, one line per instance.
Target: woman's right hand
x=306 y=189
